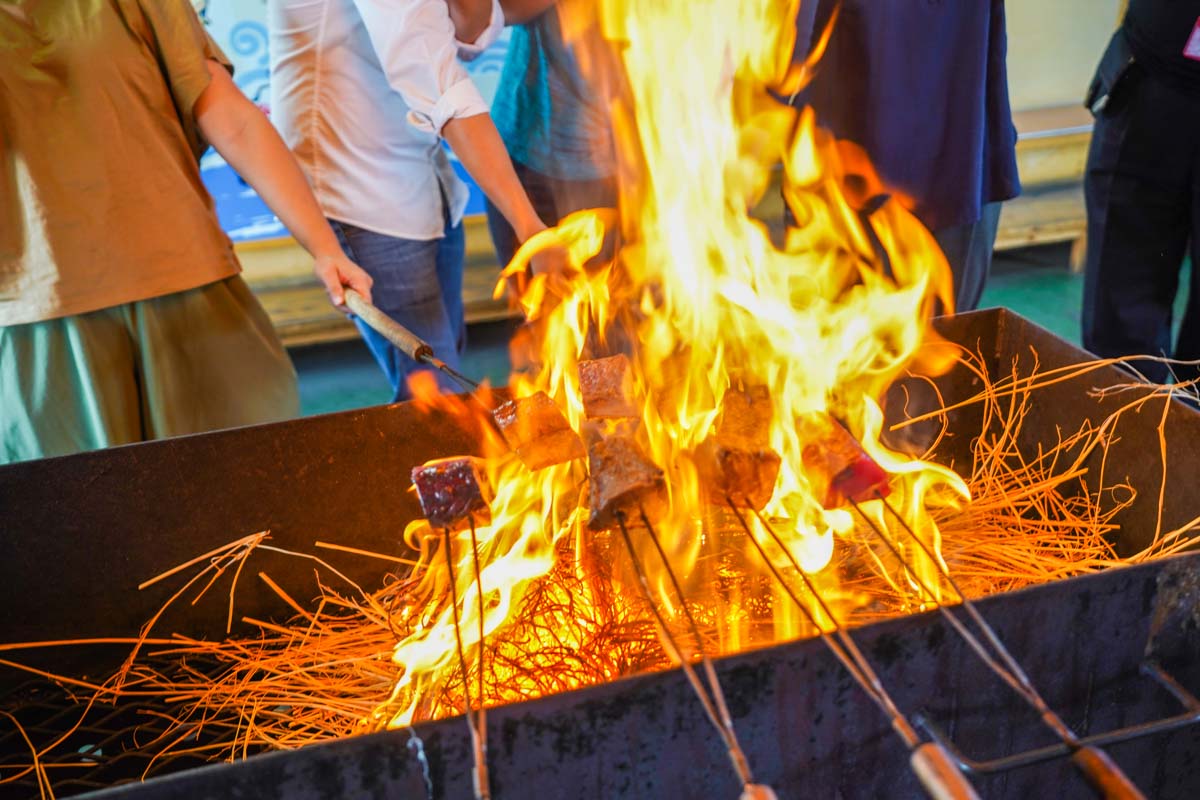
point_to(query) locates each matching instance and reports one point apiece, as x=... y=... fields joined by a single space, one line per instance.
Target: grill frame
x=128 y=513
x=807 y=729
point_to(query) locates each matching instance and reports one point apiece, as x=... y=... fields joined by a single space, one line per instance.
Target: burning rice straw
x=1048 y=517
x=328 y=672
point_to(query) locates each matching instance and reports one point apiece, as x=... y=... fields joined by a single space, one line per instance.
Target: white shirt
x=360 y=90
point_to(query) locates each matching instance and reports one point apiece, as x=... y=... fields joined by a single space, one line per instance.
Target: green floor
x=342 y=376
x=1034 y=282
x=1037 y=283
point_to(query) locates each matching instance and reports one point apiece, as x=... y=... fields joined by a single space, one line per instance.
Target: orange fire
x=704 y=301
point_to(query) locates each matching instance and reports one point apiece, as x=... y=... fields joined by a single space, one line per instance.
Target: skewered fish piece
x=837 y=466
x=736 y=460
x=623 y=480
x=453 y=490
x=606 y=385
x=537 y=431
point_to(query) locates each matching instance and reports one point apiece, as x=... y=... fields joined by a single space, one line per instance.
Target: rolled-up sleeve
x=414 y=40
x=469 y=51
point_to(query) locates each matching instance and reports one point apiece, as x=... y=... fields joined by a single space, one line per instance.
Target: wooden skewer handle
x=1105 y=776
x=409 y=343
x=939 y=775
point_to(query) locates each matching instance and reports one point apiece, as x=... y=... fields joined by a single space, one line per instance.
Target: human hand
x=553 y=263
x=540 y=256
x=339 y=273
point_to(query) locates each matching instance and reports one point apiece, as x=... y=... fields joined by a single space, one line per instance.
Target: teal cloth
x=547 y=115
x=187 y=362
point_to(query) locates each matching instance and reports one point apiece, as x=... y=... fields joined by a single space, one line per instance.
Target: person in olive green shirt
x=122 y=313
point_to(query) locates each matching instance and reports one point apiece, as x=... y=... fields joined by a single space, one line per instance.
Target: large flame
x=703 y=300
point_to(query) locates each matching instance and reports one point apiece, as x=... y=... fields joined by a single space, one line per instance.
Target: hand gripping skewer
x=711 y=697
x=930 y=761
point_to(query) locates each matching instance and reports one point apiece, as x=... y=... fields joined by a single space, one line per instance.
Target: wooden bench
x=1052 y=149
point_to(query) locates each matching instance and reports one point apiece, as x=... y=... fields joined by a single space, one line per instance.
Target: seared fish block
x=736 y=460
x=607 y=388
x=623 y=480
x=451 y=491
x=537 y=431
x=836 y=464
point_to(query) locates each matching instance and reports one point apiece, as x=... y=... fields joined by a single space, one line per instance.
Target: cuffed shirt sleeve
x=415 y=44
x=460 y=100
x=469 y=51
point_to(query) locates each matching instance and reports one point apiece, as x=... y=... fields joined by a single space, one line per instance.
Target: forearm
x=258 y=154
x=478 y=146
x=470 y=18
x=518 y=12
x=244 y=137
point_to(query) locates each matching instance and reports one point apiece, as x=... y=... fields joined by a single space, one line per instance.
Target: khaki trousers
x=193 y=361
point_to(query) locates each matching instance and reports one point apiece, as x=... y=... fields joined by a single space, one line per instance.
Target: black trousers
x=1142 y=188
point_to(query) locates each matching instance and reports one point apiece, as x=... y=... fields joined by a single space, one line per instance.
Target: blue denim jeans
x=418 y=284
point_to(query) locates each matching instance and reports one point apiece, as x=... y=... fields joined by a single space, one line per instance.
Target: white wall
x=1053 y=48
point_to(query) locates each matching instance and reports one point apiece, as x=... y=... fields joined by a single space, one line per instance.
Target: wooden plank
x=1052 y=121
x=1042 y=216
x=1052 y=160
x=1052 y=145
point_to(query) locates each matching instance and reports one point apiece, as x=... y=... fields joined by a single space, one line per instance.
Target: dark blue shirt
x=922 y=86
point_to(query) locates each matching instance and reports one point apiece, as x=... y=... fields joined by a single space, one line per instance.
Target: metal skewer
x=711 y=697
x=405 y=340
x=478 y=724
x=930 y=761
x=415 y=348
x=483 y=789
x=1101 y=772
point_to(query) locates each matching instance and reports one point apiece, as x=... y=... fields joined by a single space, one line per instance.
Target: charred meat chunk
x=736 y=460
x=606 y=385
x=837 y=466
x=451 y=491
x=622 y=481
x=537 y=431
